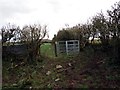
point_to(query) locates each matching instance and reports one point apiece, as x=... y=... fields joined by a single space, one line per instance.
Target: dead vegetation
x=69 y=72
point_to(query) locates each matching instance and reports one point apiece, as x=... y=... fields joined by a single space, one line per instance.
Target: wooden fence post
x=55 y=45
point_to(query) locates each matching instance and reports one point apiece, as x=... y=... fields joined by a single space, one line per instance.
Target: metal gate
x=68 y=47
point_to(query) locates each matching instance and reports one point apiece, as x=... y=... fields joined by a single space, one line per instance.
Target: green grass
x=47 y=49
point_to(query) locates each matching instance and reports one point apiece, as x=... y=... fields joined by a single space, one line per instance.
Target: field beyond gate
x=47 y=49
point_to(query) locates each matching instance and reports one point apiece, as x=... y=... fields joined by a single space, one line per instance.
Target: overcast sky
x=54 y=13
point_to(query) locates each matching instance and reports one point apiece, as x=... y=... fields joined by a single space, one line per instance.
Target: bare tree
x=32 y=36
x=114 y=27
x=114 y=19
x=10 y=33
x=100 y=27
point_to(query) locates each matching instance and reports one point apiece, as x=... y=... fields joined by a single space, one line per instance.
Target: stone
x=58 y=66
x=69 y=64
x=57 y=79
x=48 y=73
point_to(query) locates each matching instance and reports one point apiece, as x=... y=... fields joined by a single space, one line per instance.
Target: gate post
x=55 y=45
x=66 y=47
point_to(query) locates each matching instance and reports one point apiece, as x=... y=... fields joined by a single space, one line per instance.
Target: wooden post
x=55 y=45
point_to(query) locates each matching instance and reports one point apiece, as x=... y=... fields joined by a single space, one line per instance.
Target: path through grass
x=47 y=49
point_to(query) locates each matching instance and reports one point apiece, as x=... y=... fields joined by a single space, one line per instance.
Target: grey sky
x=54 y=13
